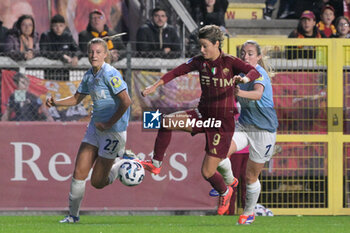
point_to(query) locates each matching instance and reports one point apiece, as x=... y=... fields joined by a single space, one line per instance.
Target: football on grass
x=131 y=173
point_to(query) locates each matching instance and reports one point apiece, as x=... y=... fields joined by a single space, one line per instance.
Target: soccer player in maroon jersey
x=219 y=73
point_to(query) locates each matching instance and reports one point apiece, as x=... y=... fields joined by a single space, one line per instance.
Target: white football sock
x=252 y=196
x=114 y=173
x=157 y=163
x=224 y=168
x=76 y=194
x=225 y=193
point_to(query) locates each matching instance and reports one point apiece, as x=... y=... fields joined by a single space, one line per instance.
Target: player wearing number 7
x=105 y=136
x=257 y=126
x=219 y=74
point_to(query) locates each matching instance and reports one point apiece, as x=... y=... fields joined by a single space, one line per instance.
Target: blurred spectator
x=205 y=12
x=327 y=17
x=23 y=105
x=157 y=38
x=97 y=27
x=3 y=34
x=75 y=12
x=306 y=29
x=268 y=10
x=317 y=7
x=22 y=41
x=58 y=43
x=342 y=25
x=341 y=7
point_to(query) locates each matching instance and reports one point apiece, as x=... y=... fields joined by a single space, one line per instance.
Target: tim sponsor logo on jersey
x=152 y=120
x=217 y=82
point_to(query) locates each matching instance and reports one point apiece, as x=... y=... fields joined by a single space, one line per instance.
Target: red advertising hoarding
x=37 y=160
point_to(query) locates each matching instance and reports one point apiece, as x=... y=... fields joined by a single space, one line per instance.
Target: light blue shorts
x=262 y=142
x=110 y=144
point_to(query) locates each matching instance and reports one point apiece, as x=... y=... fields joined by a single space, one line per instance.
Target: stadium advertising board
x=38 y=160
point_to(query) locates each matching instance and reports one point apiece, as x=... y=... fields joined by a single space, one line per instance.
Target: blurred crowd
x=157 y=36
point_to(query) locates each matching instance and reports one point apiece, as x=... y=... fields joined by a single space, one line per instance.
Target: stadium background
x=309 y=175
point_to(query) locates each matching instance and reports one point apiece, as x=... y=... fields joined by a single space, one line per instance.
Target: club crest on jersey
x=116 y=82
x=225 y=71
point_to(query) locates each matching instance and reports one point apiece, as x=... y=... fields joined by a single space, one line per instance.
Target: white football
x=131 y=173
x=269 y=212
x=260 y=210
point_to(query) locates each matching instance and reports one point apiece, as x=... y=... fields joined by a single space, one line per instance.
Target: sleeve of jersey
x=182 y=69
x=116 y=82
x=83 y=87
x=262 y=79
x=246 y=69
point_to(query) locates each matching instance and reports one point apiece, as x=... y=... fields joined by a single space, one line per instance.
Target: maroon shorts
x=218 y=139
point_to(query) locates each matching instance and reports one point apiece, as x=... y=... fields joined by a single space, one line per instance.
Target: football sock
x=217 y=182
x=156 y=163
x=225 y=170
x=114 y=173
x=161 y=144
x=76 y=194
x=252 y=196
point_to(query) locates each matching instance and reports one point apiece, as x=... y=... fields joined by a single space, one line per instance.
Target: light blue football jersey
x=260 y=113
x=103 y=88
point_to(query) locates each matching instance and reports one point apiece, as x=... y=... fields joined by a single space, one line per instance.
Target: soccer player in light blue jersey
x=105 y=136
x=257 y=126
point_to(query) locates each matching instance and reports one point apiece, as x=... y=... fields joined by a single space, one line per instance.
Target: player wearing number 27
x=105 y=136
x=219 y=73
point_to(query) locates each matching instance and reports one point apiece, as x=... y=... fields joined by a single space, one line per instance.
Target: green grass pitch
x=174 y=224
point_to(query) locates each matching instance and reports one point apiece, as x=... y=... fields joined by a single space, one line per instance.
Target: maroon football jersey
x=217 y=83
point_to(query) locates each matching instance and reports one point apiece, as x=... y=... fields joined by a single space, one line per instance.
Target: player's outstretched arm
x=68 y=101
x=255 y=94
x=151 y=89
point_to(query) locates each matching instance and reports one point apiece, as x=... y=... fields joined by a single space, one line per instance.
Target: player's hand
x=148 y=90
x=102 y=126
x=240 y=79
x=50 y=102
x=29 y=55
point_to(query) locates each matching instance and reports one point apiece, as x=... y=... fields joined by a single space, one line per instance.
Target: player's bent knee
x=250 y=178
x=98 y=184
